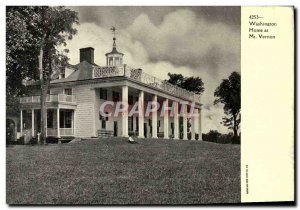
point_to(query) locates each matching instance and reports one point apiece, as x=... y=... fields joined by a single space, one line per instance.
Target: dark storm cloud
x=124 y=16
x=187 y=49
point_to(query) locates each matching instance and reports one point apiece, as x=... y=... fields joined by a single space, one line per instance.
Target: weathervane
x=113 y=29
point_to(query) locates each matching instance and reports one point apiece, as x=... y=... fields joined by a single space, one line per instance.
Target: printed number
x=253 y=17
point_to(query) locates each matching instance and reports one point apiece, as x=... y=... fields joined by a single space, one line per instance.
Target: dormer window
x=62 y=73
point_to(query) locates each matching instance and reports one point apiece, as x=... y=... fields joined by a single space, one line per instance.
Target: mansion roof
x=83 y=71
x=87 y=71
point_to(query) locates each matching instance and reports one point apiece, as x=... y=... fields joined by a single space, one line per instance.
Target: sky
x=192 y=41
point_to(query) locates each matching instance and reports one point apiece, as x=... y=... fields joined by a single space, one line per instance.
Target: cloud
x=212 y=118
x=184 y=39
x=181 y=43
x=122 y=16
x=91 y=35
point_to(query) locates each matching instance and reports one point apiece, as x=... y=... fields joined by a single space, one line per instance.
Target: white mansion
x=76 y=96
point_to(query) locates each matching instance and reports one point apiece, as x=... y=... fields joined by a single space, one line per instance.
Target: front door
x=115 y=128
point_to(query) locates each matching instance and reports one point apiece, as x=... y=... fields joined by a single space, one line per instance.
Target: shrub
x=215 y=136
x=33 y=141
x=211 y=136
x=21 y=141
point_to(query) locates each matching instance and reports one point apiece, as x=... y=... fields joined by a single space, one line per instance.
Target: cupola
x=114 y=58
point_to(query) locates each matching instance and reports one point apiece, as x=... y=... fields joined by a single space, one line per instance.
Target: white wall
x=85 y=97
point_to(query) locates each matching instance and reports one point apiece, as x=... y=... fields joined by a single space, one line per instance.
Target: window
x=68 y=119
x=62 y=73
x=65 y=119
x=116 y=61
x=103 y=94
x=115 y=96
x=110 y=61
x=68 y=91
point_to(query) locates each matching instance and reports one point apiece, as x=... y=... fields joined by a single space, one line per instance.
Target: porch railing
x=51 y=131
x=63 y=131
x=50 y=98
x=66 y=131
x=140 y=76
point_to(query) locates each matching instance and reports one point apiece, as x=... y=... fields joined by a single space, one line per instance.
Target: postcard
x=149 y=105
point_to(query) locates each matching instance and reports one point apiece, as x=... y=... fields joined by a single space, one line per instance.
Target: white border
x=3 y=3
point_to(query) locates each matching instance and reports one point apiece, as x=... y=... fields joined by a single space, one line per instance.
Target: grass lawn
x=113 y=171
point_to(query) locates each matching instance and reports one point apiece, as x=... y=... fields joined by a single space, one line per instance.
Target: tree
x=193 y=84
x=20 y=53
x=229 y=94
x=176 y=79
x=45 y=29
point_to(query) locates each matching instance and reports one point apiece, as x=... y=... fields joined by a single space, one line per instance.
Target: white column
x=141 y=114
x=176 y=121
x=32 y=122
x=58 y=123
x=199 y=126
x=194 y=122
x=166 y=119
x=154 y=117
x=185 y=122
x=21 y=122
x=125 y=113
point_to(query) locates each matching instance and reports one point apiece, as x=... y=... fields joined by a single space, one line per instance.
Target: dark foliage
x=193 y=84
x=229 y=94
x=216 y=137
x=34 y=35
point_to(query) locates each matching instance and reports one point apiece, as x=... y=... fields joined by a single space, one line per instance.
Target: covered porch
x=60 y=122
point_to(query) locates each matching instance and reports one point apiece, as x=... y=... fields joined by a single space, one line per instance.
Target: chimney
x=87 y=54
